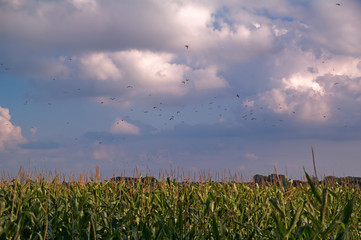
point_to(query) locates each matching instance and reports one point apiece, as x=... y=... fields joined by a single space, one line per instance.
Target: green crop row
x=167 y=209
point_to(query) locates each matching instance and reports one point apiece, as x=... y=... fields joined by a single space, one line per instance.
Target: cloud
x=137 y=73
x=207 y=79
x=75 y=27
x=338 y=32
x=312 y=87
x=134 y=72
x=120 y=126
x=100 y=66
x=10 y=135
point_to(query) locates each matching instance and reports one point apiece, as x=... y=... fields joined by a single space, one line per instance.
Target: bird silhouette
x=186 y=46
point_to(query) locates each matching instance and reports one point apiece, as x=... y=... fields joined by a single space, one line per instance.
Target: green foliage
x=167 y=209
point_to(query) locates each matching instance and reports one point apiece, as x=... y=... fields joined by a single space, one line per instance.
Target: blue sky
x=86 y=83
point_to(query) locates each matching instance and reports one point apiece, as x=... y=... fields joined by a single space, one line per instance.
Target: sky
x=218 y=86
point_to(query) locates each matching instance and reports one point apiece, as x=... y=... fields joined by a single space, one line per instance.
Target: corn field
x=39 y=208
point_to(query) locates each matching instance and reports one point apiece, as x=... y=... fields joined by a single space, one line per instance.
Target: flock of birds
x=162 y=109
x=247 y=110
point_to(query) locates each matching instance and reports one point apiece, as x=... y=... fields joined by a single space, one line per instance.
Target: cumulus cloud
x=204 y=27
x=120 y=126
x=207 y=79
x=10 y=135
x=144 y=72
x=312 y=86
x=101 y=67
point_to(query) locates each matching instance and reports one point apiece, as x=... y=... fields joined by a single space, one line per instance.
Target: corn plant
x=43 y=208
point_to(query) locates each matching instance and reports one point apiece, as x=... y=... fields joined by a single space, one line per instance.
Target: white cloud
x=144 y=71
x=148 y=72
x=302 y=83
x=313 y=86
x=153 y=72
x=207 y=79
x=306 y=105
x=120 y=126
x=100 y=66
x=10 y=135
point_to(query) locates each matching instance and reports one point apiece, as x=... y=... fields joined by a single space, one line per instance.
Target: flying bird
x=238 y=95
x=186 y=46
x=338 y=4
